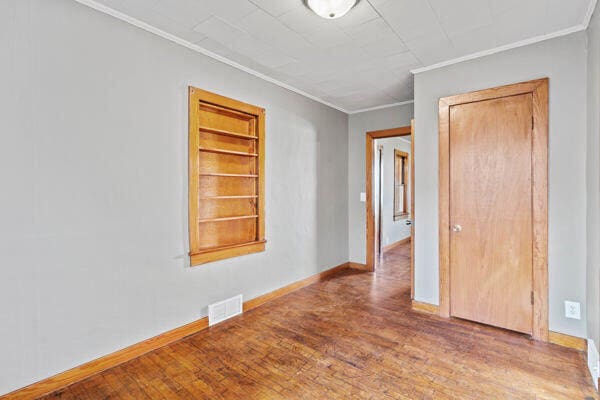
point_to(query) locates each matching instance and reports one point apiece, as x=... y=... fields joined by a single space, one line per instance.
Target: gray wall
x=93 y=165
x=358 y=126
x=593 y=180
x=392 y=231
x=563 y=60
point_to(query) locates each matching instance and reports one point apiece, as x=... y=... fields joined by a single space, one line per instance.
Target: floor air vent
x=225 y=309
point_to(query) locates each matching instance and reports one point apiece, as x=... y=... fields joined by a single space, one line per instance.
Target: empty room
x=300 y=199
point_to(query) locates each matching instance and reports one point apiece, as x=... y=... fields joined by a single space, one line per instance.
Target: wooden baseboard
x=353 y=265
x=425 y=307
x=396 y=244
x=94 y=367
x=565 y=340
x=260 y=300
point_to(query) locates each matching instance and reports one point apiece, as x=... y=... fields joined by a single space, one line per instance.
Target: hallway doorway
x=390 y=199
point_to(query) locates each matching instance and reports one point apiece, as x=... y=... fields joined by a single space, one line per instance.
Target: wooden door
x=491 y=235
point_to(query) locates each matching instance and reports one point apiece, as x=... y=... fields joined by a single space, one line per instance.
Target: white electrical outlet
x=363 y=197
x=572 y=310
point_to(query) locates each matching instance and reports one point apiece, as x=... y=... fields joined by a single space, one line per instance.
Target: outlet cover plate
x=572 y=310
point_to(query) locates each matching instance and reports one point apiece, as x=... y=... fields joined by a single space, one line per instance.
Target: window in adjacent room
x=226 y=177
x=400 y=184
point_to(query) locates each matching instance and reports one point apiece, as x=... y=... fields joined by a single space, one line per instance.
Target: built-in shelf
x=227 y=218
x=231 y=175
x=227 y=133
x=230 y=152
x=228 y=197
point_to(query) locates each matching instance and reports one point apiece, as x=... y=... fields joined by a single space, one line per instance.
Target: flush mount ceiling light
x=331 y=9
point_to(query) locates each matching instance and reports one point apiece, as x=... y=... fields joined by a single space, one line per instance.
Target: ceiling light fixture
x=331 y=9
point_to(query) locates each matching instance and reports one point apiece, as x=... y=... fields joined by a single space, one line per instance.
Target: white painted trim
x=381 y=107
x=147 y=27
x=590 y=12
x=526 y=42
x=593 y=361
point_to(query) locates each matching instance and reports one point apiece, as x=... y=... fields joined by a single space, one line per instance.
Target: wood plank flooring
x=351 y=337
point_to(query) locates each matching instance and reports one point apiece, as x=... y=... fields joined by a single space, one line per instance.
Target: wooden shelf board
x=227 y=218
x=231 y=175
x=230 y=246
x=229 y=152
x=228 y=197
x=227 y=133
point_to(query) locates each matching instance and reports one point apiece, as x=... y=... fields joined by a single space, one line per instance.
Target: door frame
x=370 y=150
x=539 y=90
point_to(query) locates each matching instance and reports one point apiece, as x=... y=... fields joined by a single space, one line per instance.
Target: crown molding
x=577 y=28
x=402 y=103
x=589 y=13
x=175 y=39
x=192 y=46
x=484 y=53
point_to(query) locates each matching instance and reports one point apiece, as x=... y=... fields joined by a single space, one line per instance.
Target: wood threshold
x=79 y=373
x=204 y=220
x=226 y=133
x=425 y=307
x=396 y=244
x=227 y=152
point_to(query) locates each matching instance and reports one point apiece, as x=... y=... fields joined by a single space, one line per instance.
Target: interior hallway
x=354 y=336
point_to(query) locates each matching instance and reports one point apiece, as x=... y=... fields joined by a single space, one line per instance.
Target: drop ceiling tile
x=270 y=30
x=229 y=10
x=410 y=19
x=500 y=6
x=302 y=20
x=327 y=38
x=564 y=17
x=461 y=16
x=386 y=46
x=188 y=12
x=220 y=31
x=474 y=41
x=406 y=60
x=214 y=46
x=277 y=7
x=528 y=20
x=431 y=50
x=363 y=12
x=363 y=59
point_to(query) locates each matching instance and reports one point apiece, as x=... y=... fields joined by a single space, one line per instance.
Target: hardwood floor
x=351 y=337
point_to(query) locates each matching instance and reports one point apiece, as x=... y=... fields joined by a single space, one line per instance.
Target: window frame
x=405 y=160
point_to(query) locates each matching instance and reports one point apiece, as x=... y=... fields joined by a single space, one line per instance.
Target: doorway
x=493 y=207
x=390 y=193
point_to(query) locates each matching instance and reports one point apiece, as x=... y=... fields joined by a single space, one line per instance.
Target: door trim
x=539 y=90
x=370 y=139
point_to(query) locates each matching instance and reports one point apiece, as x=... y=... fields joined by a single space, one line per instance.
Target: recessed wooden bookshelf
x=226 y=178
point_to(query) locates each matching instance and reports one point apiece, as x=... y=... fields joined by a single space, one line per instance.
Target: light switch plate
x=363 y=197
x=572 y=310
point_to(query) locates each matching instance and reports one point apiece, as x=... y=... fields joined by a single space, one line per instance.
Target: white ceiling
x=363 y=59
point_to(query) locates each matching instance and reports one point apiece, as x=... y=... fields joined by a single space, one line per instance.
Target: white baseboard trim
x=593 y=361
